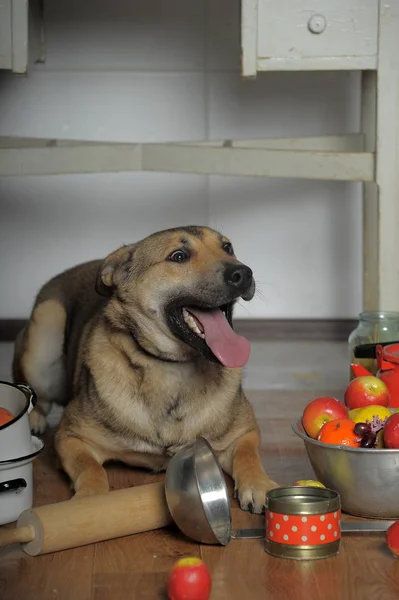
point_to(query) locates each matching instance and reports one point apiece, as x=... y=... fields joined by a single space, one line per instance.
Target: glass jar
x=373 y=327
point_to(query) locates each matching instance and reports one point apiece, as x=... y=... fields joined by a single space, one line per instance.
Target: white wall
x=150 y=70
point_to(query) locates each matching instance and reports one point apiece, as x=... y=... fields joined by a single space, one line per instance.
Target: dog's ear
x=109 y=272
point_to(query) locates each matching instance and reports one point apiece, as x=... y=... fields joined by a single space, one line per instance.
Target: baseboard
x=9 y=329
x=254 y=329
x=295 y=329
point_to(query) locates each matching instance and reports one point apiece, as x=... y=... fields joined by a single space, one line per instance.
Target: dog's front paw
x=252 y=493
x=90 y=483
x=37 y=422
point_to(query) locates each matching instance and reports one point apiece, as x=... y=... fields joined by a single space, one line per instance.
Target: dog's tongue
x=231 y=349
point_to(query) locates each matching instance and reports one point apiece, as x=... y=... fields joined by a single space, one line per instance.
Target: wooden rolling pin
x=90 y=519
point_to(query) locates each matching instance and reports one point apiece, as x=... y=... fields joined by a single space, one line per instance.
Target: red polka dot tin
x=303 y=523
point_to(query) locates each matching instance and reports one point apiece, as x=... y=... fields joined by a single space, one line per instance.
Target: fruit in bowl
x=320 y=411
x=391 y=432
x=356 y=451
x=366 y=390
x=371 y=421
x=365 y=478
x=358 y=421
x=374 y=413
x=362 y=427
x=341 y=432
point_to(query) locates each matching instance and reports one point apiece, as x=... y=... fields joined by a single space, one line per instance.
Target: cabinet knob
x=317 y=24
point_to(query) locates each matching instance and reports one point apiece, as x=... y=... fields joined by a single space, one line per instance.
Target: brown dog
x=140 y=348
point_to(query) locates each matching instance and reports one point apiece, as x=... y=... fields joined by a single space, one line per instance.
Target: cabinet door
x=312 y=28
x=309 y=34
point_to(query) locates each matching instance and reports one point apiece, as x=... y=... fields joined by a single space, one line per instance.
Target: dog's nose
x=238 y=276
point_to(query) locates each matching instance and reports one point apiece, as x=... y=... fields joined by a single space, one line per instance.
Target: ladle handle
x=364 y=526
x=247 y=534
x=346 y=527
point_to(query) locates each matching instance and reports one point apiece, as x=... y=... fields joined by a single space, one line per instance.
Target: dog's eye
x=178 y=256
x=227 y=247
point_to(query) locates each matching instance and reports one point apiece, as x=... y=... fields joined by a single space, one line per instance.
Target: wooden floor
x=137 y=567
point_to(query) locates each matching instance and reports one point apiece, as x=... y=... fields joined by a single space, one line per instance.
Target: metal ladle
x=198 y=501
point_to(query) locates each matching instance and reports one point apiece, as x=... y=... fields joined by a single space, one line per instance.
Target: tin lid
x=301 y=500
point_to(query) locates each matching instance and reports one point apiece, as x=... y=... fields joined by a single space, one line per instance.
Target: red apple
x=189 y=579
x=392 y=538
x=365 y=391
x=320 y=411
x=391 y=431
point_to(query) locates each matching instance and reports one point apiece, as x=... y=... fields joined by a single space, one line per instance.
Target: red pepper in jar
x=359 y=371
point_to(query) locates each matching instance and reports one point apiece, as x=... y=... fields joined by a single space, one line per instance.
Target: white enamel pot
x=15 y=436
x=16 y=484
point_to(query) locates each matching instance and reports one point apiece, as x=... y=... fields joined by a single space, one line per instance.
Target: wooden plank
x=143 y=586
x=245 y=570
x=370 y=196
x=259 y=162
x=60 y=575
x=180 y=158
x=353 y=142
x=15 y=142
x=97 y=158
x=249 y=37
x=124 y=570
x=387 y=155
x=125 y=555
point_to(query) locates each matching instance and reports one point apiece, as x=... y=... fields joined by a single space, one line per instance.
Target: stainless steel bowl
x=197 y=496
x=367 y=480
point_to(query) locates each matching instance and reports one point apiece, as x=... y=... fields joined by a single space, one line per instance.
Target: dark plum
x=362 y=428
x=368 y=440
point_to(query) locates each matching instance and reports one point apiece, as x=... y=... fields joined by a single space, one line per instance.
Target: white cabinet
x=363 y=35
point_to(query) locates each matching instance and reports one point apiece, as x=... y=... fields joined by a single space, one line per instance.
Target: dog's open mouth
x=195 y=324
x=210 y=331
